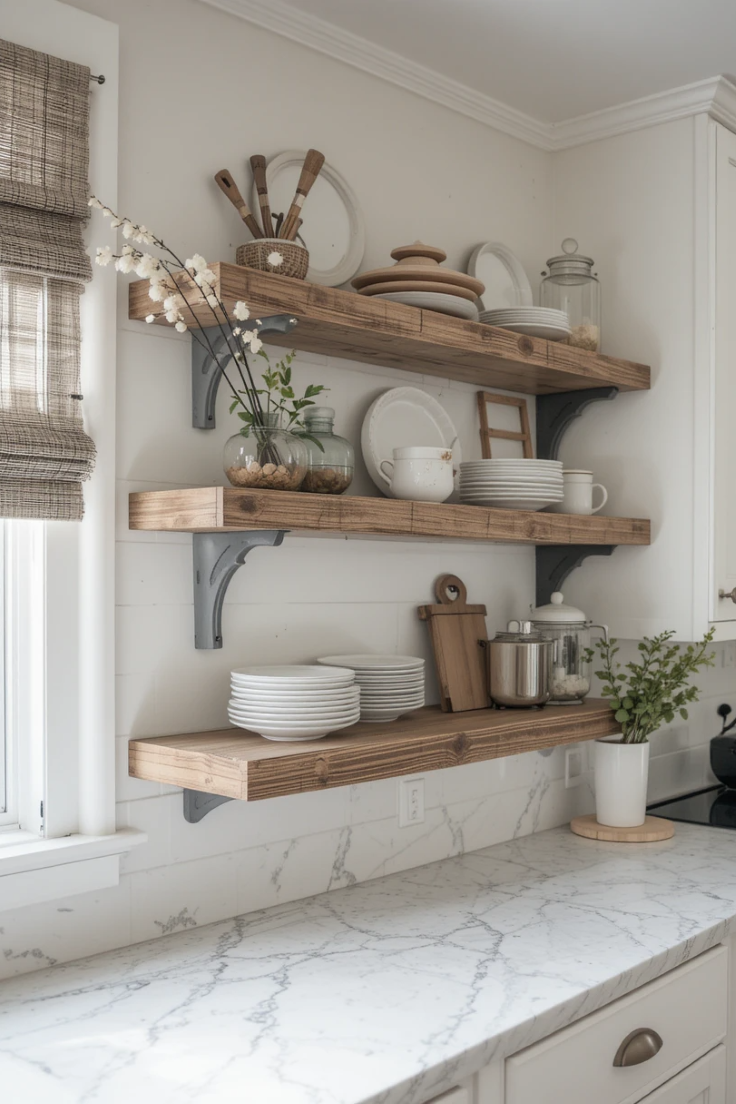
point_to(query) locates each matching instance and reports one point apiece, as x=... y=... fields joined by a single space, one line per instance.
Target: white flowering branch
x=168 y=287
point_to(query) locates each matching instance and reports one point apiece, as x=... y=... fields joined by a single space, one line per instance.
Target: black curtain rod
x=100 y=79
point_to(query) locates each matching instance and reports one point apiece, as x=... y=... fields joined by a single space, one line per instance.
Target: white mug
x=421 y=474
x=578 y=493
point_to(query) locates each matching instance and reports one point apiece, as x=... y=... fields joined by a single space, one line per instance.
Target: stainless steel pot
x=519 y=666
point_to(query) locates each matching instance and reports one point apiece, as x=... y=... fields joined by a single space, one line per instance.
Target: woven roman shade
x=44 y=159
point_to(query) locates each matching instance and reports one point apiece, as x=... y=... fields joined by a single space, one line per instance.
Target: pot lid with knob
x=523 y=633
x=556 y=612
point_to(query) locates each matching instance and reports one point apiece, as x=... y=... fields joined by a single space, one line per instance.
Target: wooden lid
x=419 y=249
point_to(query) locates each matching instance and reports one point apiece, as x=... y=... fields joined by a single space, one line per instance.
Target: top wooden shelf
x=375 y=331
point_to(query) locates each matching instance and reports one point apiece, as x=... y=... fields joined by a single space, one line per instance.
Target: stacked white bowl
x=288 y=703
x=390 y=685
x=511 y=484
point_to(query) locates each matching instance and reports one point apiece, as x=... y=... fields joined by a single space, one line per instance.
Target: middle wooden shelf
x=229 y=509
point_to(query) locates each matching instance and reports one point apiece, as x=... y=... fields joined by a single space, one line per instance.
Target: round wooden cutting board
x=652 y=830
x=430 y=272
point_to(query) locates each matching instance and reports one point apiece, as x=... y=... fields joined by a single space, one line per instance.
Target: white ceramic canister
x=621 y=777
x=421 y=474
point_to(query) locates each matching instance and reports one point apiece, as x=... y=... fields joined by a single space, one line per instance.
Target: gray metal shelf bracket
x=556 y=412
x=217 y=556
x=197 y=804
x=207 y=369
x=556 y=561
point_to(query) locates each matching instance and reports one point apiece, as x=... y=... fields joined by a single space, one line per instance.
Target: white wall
x=199 y=91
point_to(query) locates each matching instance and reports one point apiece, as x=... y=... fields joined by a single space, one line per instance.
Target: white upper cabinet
x=723 y=578
x=657 y=210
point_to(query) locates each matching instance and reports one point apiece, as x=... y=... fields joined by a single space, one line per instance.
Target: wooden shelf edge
x=336 y=322
x=228 y=509
x=241 y=765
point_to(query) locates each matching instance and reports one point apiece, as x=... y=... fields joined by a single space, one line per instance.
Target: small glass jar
x=571 y=286
x=266 y=457
x=331 y=459
x=568 y=630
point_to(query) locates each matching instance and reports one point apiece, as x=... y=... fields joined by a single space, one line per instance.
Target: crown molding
x=351 y=49
x=715 y=96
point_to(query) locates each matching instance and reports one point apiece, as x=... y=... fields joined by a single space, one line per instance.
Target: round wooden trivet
x=652 y=830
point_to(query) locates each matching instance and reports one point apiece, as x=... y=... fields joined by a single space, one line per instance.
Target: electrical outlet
x=574 y=766
x=411 y=801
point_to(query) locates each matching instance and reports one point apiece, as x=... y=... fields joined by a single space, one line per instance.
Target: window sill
x=34 y=870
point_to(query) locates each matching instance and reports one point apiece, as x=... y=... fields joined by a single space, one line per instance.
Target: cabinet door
x=702 y=1083
x=463 y=1094
x=724 y=456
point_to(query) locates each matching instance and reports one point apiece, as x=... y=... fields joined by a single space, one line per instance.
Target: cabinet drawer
x=686 y=1008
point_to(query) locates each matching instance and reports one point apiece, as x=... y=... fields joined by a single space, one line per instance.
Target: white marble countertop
x=387 y=992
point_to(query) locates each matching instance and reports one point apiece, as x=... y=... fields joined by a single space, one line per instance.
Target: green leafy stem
x=654 y=691
x=280 y=398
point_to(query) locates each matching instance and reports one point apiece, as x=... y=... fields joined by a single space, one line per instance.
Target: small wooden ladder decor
x=487 y=432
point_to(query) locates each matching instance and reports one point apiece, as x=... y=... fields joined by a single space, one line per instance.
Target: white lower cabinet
x=702 y=1083
x=661 y=1044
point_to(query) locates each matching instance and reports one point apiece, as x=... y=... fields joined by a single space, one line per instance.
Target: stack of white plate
x=389 y=685
x=511 y=484
x=553 y=325
x=293 y=703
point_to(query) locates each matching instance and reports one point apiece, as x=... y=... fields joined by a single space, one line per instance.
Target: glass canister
x=569 y=630
x=572 y=286
x=266 y=456
x=331 y=458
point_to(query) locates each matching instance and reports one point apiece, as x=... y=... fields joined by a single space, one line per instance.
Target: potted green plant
x=644 y=696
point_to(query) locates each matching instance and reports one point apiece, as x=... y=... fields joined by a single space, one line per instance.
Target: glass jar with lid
x=572 y=286
x=331 y=458
x=568 y=629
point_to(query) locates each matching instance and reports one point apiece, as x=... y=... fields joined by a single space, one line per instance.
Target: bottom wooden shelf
x=241 y=765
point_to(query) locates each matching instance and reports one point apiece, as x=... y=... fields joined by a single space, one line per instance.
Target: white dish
x=524 y=465
x=372 y=662
x=375 y=684
x=301 y=671
x=405 y=417
x=293 y=697
x=434 y=301
x=507 y=284
x=283 y=725
x=291 y=712
x=537 y=329
x=334 y=227
x=291 y=736
x=305 y=724
x=537 y=314
x=510 y=504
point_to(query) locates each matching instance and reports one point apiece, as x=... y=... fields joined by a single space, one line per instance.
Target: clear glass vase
x=266 y=457
x=331 y=458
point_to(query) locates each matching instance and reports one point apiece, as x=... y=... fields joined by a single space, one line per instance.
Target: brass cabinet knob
x=639 y=1046
x=728 y=594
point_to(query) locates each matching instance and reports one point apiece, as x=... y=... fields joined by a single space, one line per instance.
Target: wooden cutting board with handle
x=455 y=629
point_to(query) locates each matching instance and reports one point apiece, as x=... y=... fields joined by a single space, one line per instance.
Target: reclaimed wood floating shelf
x=236 y=764
x=376 y=331
x=231 y=510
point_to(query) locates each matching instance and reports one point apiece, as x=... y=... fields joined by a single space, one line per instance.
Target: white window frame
x=66 y=749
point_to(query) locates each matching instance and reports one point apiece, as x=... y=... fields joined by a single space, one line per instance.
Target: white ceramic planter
x=621 y=776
